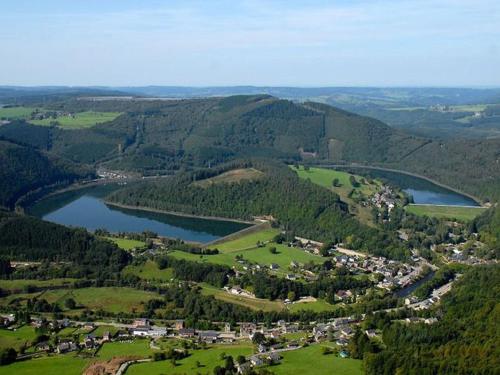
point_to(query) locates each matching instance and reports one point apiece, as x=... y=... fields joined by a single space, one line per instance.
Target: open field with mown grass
x=232 y=176
x=256 y=255
x=149 y=271
x=14 y=113
x=447 y=212
x=316 y=306
x=67 y=364
x=16 y=339
x=126 y=244
x=251 y=303
x=208 y=359
x=247 y=241
x=79 y=120
x=324 y=177
x=311 y=361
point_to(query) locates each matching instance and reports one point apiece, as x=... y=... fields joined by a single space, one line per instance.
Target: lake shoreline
x=177 y=213
x=428 y=179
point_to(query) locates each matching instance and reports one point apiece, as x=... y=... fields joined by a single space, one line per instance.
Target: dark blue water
x=422 y=191
x=86 y=208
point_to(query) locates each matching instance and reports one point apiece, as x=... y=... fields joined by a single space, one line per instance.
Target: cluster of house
x=459 y=254
x=110 y=174
x=39 y=115
x=338 y=329
x=384 y=198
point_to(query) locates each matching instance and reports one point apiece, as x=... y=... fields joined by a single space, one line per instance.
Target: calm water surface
x=86 y=208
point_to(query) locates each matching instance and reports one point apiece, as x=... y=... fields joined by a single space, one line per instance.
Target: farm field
x=16 y=339
x=13 y=113
x=299 y=362
x=149 y=271
x=232 y=176
x=112 y=299
x=124 y=348
x=447 y=212
x=67 y=364
x=247 y=241
x=208 y=359
x=256 y=255
x=126 y=244
x=324 y=177
x=316 y=306
x=79 y=120
x=252 y=303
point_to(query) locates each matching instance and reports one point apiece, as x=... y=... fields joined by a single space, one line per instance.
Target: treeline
x=24 y=169
x=80 y=254
x=213 y=274
x=463 y=341
x=488 y=226
x=299 y=206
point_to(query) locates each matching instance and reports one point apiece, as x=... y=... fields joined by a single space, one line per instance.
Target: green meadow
x=79 y=120
x=16 y=339
x=14 y=113
x=311 y=361
x=447 y=212
x=149 y=271
x=126 y=244
x=316 y=306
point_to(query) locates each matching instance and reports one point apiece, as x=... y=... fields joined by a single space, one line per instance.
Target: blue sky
x=250 y=42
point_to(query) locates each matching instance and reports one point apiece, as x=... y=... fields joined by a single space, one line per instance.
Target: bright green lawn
x=251 y=303
x=15 y=112
x=260 y=255
x=126 y=244
x=149 y=271
x=80 y=119
x=317 y=306
x=310 y=361
x=67 y=364
x=208 y=359
x=449 y=212
x=15 y=339
x=121 y=349
x=247 y=241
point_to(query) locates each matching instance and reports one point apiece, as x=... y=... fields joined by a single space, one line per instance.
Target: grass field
x=208 y=359
x=67 y=364
x=311 y=361
x=149 y=271
x=15 y=339
x=121 y=349
x=127 y=244
x=14 y=113
x=79 y=120
x=247 y=241
x=251 y=303
x=235 y=175
x=447 y=212
x=110 y=299
x=324 y=177
x=316 y=306
x=16 y=285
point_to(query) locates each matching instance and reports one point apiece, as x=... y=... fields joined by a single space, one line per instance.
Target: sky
x=250 y=42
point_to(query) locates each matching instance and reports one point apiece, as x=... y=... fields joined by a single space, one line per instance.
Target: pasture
x=16 y=339
x=126 y=244
x=149 y=271
x=316 y=306
x=232 y=176
x=207 y=360
x=446 y=212
x=67 y=364
x=252 y=303
x=78 y=120
x=14 y=113
x=300 y=362
x=26 y=284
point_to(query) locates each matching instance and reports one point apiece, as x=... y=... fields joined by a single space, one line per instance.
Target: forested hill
x=26 y=238
x=300 y=207
x=23 y=169
x=158 y=136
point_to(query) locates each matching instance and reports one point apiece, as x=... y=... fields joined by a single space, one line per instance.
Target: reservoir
x=422 y=191
x=86 y=208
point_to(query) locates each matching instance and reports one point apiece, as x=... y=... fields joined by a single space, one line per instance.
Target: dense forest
x=488 y=226
x=298 y=206
x=153 y=137
x=23 y=169
x=77 y=253
x=463 y=341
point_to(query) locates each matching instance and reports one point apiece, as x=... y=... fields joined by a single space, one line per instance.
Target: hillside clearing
x=446 y=212
x=232 y=176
